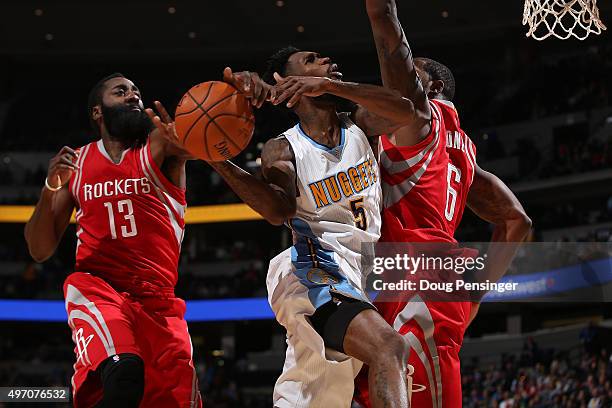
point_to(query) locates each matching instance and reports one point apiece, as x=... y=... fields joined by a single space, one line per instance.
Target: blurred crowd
x=514 y=89
x=544 y=378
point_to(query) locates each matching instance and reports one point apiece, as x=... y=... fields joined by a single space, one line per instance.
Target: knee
x=122 y=381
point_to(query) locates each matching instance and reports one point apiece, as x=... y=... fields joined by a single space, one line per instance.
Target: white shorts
x=313 y=375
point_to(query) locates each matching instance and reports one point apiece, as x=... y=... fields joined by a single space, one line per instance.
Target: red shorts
x=105 y=323
x=434 y=331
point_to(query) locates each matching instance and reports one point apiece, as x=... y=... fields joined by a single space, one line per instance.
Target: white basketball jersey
x=338 y=206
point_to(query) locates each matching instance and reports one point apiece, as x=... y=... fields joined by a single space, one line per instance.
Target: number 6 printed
x=451 y=193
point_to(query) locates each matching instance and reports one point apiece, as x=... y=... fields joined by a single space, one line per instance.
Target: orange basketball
x=214 y=121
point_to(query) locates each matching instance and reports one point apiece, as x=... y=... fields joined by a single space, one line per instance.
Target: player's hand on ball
x=164 y=127
x=61 y=167
x=294 y=87
x=250 y=84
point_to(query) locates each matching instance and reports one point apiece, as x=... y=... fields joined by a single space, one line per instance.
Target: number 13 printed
x=121 y=208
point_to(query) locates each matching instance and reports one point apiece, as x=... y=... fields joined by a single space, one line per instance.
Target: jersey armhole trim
x=74 y=185
x=408 y=152
x=284 y=137
x=160 y=180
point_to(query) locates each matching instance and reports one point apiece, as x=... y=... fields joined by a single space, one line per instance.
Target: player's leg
x=171 y=379
x=314 y=373
x=102 y=332
x=370 y=339
x=309 y=379
x=388 y=311
x=122 y=379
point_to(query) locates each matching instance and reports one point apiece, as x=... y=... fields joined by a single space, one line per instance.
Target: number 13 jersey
x=130 y=220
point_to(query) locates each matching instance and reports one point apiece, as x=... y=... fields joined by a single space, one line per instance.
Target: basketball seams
x=195 y=122
x=205 y=112
x=219 y=101
x=198 y=104
x=213 y=119
x=205 y=137
x=227 y=137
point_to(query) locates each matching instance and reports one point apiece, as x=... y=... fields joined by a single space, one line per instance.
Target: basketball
x=214 y=121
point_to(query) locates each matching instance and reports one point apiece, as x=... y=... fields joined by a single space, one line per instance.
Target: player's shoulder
x=277 y=149
x=88 y=145
x=448 y=112
x=444 y=104
x=86 y=150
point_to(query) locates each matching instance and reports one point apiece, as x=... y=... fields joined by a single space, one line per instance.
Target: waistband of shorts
x=146 y=290
x=134 y=286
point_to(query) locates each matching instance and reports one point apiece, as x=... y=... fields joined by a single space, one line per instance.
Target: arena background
x=540 y=114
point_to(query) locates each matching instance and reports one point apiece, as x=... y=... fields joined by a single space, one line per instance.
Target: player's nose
x=132 y=97
x=325 y=60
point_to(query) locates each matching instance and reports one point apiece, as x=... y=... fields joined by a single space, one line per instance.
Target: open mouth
x=334 y=73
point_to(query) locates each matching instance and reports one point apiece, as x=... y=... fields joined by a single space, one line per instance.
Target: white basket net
x=562 y=18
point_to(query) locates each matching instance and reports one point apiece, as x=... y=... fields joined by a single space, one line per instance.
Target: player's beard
x=127 y=125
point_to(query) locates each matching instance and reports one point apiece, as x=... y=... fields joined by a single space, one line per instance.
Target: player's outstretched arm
x=273 y=198
x=47 y=225
x=397 y=67
x=380 y=110
x=494 y=202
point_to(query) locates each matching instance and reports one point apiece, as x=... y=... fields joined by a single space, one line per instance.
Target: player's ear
x=96 y=112
x=437 y=86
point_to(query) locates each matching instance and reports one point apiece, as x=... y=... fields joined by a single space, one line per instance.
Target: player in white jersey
x=321 y=179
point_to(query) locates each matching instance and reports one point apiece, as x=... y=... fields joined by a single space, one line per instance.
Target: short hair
x=278 y=63
x=95 y=98
x=440 y=72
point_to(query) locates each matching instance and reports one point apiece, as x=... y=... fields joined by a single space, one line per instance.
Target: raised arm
x=274 y=197
x=397 y=67
x=47 y=225
x=494 y=202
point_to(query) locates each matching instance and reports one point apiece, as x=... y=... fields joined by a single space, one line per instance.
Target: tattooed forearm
x=382 y=388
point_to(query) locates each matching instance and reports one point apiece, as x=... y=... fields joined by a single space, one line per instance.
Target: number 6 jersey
x=425 y=186
x=129 y=219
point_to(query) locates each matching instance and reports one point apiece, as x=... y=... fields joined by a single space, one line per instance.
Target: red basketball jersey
x=425 y=189
x=129 y=220
x=425 y=186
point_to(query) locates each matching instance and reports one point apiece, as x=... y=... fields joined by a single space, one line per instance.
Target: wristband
x=52 y=188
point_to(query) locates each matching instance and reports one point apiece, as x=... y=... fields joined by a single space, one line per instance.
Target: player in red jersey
x=128 y=188
x=429 y=174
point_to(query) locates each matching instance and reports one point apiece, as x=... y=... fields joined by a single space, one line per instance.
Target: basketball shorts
x=314 y=374
x=434 y=331
x=106 y=323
